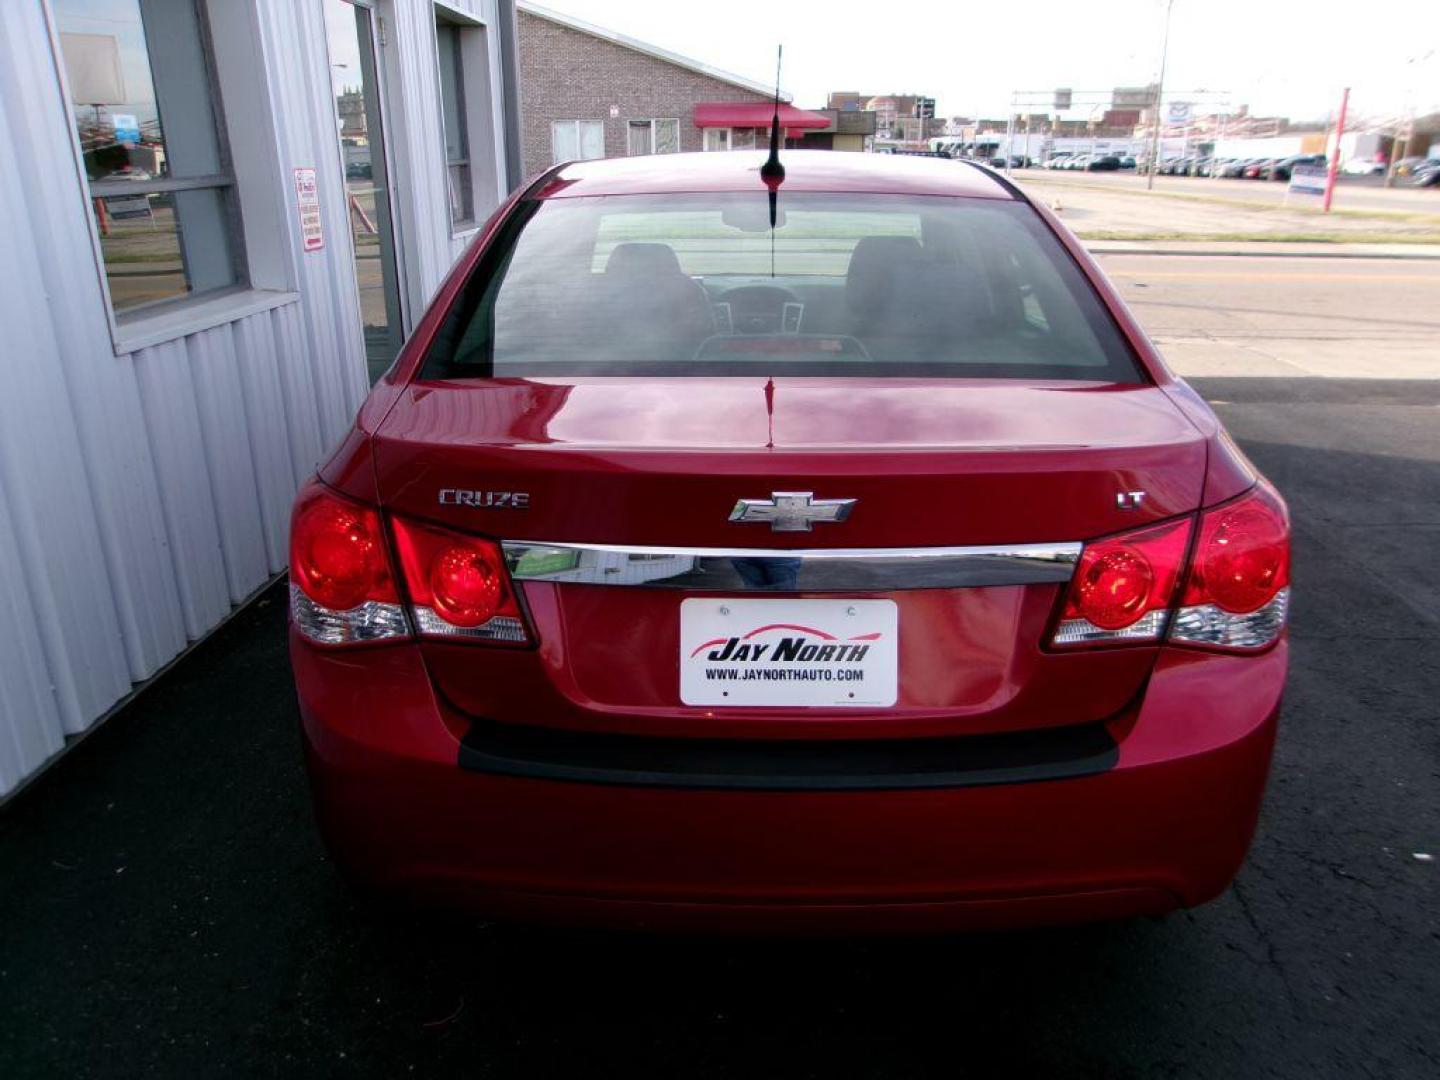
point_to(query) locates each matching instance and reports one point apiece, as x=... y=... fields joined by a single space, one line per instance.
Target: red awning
x=756 y=114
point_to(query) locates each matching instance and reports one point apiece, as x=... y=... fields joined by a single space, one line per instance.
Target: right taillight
x=1123 y=587
x=1237 y=590
x=1137 y=587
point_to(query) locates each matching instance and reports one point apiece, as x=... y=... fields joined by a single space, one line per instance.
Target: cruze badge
x=792 y=511
x=485 y=500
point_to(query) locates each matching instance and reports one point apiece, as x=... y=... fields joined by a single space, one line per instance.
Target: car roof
x=805 y=170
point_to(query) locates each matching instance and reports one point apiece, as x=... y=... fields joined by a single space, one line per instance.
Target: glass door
x=355 y=86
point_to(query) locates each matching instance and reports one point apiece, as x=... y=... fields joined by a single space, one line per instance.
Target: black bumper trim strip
x=788 y=765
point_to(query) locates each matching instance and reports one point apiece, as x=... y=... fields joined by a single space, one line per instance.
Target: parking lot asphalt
x=166 y=908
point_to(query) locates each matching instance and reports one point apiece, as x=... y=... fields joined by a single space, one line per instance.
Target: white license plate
x=788 y=652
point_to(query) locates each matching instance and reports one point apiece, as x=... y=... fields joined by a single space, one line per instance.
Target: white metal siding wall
x=143 y=495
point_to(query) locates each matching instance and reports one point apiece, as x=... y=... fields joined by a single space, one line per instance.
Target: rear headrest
x=655 y=260
x=880 y=265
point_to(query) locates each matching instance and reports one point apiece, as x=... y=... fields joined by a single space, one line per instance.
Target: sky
x=1281 y=57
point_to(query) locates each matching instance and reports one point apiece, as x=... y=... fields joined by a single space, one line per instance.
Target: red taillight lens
x=1123 y=586
x=467 y=583
x=337 y=551
x=1243 y=558
x=1237 y=593
x=1111 y=590
x=342 y=591
x=458 y=585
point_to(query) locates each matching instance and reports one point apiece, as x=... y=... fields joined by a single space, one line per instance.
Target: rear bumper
x=1167 y=824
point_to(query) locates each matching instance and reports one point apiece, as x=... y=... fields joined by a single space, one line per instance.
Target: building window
x=717 y=138
x=744 y=139
x=577 y=140
x=152 y=136
x=452 y=113
x=653 y=137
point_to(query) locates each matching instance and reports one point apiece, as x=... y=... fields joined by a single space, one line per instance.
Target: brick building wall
x=566 y=74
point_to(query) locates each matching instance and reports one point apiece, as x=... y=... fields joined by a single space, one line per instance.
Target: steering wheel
x=759 y=309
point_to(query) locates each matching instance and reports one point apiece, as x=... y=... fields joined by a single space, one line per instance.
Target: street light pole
x=1159 y=95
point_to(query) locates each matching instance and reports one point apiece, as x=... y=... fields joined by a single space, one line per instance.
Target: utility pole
x=1159 y=95
x=1396 y=153
x=1334 y=163
x=1009 y=134
x=1219 y=138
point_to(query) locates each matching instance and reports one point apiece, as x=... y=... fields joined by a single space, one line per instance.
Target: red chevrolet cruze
x=831 y=552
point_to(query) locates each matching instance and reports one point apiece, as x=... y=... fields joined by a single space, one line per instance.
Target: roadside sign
x=127 y=129
x=128 y=206
x=1062 y=99
x=307 y=191
x=1178 y=112
x=1307 y=180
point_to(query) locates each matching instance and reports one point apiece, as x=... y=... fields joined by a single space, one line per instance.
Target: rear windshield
x=703 y=284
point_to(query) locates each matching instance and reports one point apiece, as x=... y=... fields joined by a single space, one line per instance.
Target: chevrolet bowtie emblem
x=792 y=511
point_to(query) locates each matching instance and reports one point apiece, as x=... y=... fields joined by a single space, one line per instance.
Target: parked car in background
x=1407 y=165
x=128 y=172
x=1426 y=174
x=1103 y=163
x=1256 y=169
x=625 y=601
x=1127 y=163
x=1364 y=167
x=1057 y=161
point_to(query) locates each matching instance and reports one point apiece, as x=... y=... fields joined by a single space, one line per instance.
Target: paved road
x=166 y=909
x=1284 y=317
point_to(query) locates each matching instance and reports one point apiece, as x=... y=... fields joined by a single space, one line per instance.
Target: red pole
x=1334 y=164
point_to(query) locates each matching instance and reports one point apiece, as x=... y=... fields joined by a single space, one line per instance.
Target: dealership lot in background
x=1111 y=206
x=166 y=906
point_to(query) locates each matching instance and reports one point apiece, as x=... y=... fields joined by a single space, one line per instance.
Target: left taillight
x=458 y=585
x=342 y=588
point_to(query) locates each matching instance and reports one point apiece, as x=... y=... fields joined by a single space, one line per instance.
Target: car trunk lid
x=661 y=463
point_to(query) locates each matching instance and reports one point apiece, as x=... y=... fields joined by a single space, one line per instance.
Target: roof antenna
x=772 y=172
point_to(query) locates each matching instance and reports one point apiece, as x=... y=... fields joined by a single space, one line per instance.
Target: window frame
x=705 y=140
x=654 y=122
x=478 y=80
x=465 y=221
x=556 y=159
x=260 y=213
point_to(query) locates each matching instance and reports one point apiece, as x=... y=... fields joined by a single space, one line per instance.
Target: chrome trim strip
x=703 y=569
